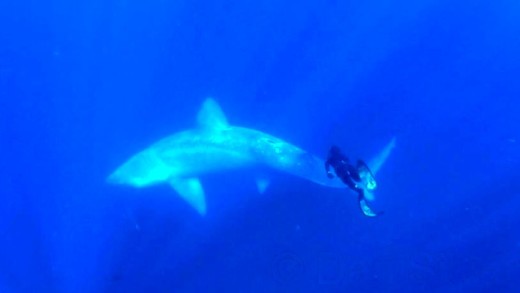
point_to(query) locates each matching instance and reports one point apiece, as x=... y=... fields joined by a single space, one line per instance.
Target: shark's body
x=216 y=146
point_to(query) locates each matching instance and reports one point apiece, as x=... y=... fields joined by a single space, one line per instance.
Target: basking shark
x=216 y=146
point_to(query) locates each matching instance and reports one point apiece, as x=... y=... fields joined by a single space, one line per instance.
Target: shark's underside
x=216 y=146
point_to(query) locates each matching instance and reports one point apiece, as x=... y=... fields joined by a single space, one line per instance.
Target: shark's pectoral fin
x=191 y=191
x=262 y=184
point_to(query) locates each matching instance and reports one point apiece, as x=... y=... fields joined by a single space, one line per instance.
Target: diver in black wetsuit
x=351 y=176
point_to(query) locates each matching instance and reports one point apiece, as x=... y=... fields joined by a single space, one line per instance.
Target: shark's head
x=141 y=170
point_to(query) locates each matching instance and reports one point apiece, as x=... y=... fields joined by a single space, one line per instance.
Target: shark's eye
x=271 y=141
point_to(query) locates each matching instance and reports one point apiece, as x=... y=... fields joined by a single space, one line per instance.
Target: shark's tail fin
x=376 y=163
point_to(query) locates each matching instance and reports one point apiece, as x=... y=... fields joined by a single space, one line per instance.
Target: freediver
x=359 y=178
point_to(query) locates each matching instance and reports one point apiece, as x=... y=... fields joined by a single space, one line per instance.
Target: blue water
x=86 y=84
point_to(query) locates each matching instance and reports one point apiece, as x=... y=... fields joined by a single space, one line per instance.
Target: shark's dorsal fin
x=211 y=117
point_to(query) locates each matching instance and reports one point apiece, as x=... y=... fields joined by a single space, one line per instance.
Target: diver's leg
x=348 y=181
x=354 y=173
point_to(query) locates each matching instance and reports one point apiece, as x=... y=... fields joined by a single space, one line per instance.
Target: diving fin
x=367 y=211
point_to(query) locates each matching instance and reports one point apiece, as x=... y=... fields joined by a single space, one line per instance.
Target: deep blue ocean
x=84 y=85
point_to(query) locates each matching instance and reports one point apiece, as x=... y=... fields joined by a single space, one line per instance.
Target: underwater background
x=86 y=84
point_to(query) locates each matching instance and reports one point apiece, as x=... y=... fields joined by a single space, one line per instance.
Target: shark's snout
x=115 y=178
x=142 y=170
